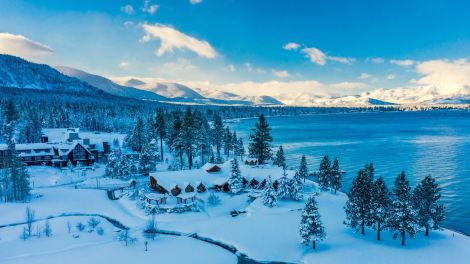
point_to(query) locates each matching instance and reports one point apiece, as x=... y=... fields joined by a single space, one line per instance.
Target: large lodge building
x=58 y=147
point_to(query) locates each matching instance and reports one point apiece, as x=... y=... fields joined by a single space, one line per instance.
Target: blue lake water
x=419 y=143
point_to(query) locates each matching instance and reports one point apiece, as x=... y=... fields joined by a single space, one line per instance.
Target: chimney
x=86 y=141
x=73 y=136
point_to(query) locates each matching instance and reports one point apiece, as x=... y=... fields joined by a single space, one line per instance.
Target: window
x=46 y=157
x=27 y=158
x=78 y=150
x=64 y=150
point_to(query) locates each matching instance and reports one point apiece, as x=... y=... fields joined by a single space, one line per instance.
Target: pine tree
x=70 y=166
x=297 y=187
x=234 y=143
x=403 y=217
x=161 y=128
x=323 y=176
x=217 y=132
x=241 y=149
x=268 y=195
x=336 y=176
x=311 y=228
x=381 y=205
x=283 y=189
x=123 y=167
x=111 y=165
x=303 y=170
x=212 y=157
x=176 y=166
x=260 y=147
x=147 y=161
x=235 y=180
x=427 y=200
x=188 y=136
x=280 y=159
x=137 y=138
x=369 y=169
x=227 y=142
x=358 y=206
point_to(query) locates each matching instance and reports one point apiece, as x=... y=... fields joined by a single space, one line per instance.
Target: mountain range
x=19 y=73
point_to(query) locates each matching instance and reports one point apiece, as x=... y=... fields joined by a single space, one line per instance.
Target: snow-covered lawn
x=45 y=176
x=62 y=247
x=262 y=233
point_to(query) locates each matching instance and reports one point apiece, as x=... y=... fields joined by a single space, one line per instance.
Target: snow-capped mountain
x=109 y=86
x=219 y=95
x=429 y=94
x=19 y=73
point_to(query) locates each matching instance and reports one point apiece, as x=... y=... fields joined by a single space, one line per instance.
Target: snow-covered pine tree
x=161 y=128
x=219 y=159
x=336 y=176
x=297 y=187
x=234 y=143
x=111 y=165
x=403 y=217
x=212 y=157
x=235 y=180
x=116 y=144
x=260 y=147
x=381 y=206
x=70 y=166
x=303 y=170
x=323 y=176
x=176 y=165
x=147 y=161
x=358 y=206
x=311 y=228
x=283 y=189
x=217 y=132
x=427 y=199
x=123 y=167
x=227 y=141
x=79 y=166
x=188 y=136
x=268 y=195
x=280 y=159
x=241 y=149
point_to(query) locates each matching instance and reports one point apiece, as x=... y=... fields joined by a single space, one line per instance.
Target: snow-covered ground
x=45 y=176
x=262 y=233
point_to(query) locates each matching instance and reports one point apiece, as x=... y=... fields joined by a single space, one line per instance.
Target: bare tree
x=151 y=230
x=93 y=222
x=24 y=234
x=124 y=236
x=47 y=230
x=29 y=217
x=69 y=226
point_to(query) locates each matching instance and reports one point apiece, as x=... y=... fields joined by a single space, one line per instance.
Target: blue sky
x=237 y=45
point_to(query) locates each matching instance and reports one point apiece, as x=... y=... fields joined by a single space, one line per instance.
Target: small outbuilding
x=201 y=188
x=215 y=168
x=132 y=183
x=175 y=191
x=263 y=183
x=189 y=188
x=245 y=182
x=254 y=183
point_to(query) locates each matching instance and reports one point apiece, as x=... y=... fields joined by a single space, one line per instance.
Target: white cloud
x=195 y=1
x=375 y=60
x=171 y=38
x=350 y=85
x=183 y=64
x=20 y=46
x=317 y=56
x=413 y=81
x=259 y=70
x=128 y=9
x=248 y=66
x=364 y=76
x=229 y=68
x=151 y=9
x=123 y=64
x=128 y=24
x=402 y=62
x=391 y=76
x=291 y=46
x=281 y=74
x=444 y=72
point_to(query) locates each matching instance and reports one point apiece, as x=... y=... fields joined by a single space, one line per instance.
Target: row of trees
x=402 y=211
x=14 y=181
